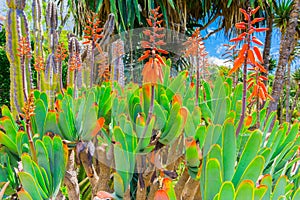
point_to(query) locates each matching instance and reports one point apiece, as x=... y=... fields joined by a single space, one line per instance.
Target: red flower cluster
x=152 y=71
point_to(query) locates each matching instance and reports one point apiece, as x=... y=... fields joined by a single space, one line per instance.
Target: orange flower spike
x=258 y=54
x=247 y=17
x=261 y=29
x=255 y=20
x=256 y=41
x=255 y=10
x=251 y=56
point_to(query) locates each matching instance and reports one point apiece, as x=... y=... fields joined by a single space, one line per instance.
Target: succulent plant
x=20 y=74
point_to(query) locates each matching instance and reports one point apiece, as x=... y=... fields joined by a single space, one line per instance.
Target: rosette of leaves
x=237 y=165
x=41 y=179
x=72 y=119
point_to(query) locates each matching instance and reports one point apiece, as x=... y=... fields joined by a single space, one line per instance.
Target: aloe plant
x=42 y=179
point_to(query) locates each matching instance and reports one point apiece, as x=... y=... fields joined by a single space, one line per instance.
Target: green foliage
x=4 y=71
x=42 y=179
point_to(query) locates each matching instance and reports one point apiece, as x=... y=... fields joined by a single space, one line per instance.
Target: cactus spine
x=17 y=28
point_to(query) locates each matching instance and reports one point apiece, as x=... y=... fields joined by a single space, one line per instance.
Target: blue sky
x=214 y=45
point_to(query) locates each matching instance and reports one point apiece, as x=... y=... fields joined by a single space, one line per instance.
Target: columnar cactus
x=74 y=72
x=117 y=60
x=51 y=71
x=38 y=41
x=17 y=28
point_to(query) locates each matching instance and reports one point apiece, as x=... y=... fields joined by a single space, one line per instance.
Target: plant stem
x=24 y=77
x=92 y=64
x=257 y=105
x=244 y=83
x=31 y=145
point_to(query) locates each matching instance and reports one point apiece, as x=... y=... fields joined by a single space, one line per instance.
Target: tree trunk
x=285 y=45
x=295 y=102
x=267 y=47
x=287 y=95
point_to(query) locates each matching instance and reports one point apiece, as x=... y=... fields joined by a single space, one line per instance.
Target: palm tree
x=179 y=15
x=285 y=51
x=296 y=77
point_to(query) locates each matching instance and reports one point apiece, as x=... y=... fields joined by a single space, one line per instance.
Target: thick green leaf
x=59 y=167
x=144 y=140
x=6 y=141
x=23 y=195
x=227 y=191
x=29 y=184
x=213 y=178
x=189 y=128
x=40 y=115
x=50 y=124
x=259 y=192
x=249 y=152
x=43 y=160
x=160 y=116
x=254 y=169
x=267 y=181
x=118 y=185
x=279 y=188
x=191 y=154
x=9 y=127
x=296 y=194
x=175 y=85
x=216 y=152
x=229 y=150
x=245 y=191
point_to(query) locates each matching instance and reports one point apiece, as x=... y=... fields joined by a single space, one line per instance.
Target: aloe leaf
x=30 y=185
x=59 y=167
x=6 y=141
x=122 y=163
x=254 y=169
x=23 y=195
x=9 y=127
x=267 y=181
x=144 y=140
x=189 y=128
x=40 y=115
x=296 y=194
x=216 y=152
x=160 y=116
x=227 y=191
x=175 y=85
x=249 y=152
x=245 y=191
x=118 y=185
x=43 y=159
x=213 y=178
x=279 y=188
x=259 y=192
x=229 y=150
x=50 y=124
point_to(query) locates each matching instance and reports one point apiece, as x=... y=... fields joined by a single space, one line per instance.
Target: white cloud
x=220 y=49
x=217 y=61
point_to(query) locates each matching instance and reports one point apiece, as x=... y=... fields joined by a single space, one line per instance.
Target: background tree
x=286 y=48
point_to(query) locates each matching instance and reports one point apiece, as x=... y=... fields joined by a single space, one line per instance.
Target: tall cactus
x=17 y=28
x=74 y=72
x=51 y=71
x=38 y=40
